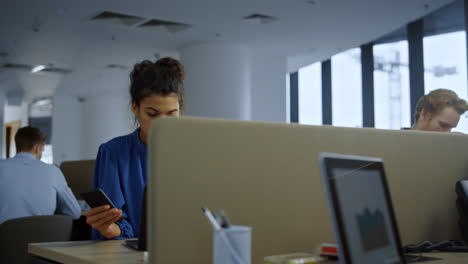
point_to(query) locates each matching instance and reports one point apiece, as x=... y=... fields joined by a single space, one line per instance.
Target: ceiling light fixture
x=38 y=68
x=42 y=101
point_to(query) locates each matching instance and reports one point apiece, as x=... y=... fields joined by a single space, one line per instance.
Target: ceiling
x=60 y=33
x=449 y=18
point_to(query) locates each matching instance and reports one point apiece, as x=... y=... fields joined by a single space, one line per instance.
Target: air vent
x=260 y=18
x=118 y=18
x=57 y=70
x=169 y=26
x=117 y=66
x=16 y=66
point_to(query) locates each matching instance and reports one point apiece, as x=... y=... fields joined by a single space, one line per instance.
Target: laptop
x=361 y=208
x=140 y=243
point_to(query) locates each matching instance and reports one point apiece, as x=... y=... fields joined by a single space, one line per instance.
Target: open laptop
x=140 y=243
x=363 y=219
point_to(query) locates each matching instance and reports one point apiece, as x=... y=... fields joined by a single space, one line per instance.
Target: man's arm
x=66 y=201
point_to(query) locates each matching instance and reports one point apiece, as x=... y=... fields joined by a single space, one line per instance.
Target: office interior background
x=64 y=66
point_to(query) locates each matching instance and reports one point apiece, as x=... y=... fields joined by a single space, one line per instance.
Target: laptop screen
x=364 y=222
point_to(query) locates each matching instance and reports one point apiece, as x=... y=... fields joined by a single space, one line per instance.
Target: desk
x=90 y=251
x=114 y=251
x=447 y=258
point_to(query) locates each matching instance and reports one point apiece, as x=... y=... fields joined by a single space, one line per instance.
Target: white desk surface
x=90 y=251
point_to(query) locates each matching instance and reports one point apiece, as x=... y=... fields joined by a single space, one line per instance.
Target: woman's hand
x=103 y=219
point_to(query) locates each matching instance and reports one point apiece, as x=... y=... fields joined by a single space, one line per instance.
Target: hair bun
x=171 y=67
x=141 y=69
x=163 y=77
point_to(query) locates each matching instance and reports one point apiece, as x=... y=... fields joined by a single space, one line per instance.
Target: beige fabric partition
x=267 y=176
x=79 y=175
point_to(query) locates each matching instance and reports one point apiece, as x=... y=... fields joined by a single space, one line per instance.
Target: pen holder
x=239 y=238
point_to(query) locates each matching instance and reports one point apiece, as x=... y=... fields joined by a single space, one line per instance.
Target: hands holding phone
x=103 y=214
x=103 y=218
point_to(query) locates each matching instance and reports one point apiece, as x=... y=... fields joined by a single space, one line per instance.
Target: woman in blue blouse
x=156 y=90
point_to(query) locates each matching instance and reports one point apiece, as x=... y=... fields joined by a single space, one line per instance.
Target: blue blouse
x=121 y=173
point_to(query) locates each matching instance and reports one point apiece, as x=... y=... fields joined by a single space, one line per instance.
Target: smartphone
x=96 y=197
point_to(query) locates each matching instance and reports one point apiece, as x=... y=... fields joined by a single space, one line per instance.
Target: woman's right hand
x=103 y=218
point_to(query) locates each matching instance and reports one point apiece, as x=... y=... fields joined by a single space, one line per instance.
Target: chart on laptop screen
x=365 y=213
x=372 y=229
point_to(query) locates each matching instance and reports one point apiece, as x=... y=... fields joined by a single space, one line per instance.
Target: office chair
x=81 y=230
x=15 y=234
x=79 y=175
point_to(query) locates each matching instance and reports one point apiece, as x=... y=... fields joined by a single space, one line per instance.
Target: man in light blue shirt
x=31 y=187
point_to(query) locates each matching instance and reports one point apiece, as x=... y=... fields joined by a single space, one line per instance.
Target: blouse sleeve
x=107 y=177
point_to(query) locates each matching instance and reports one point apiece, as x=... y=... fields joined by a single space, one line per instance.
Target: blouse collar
x=137 y=140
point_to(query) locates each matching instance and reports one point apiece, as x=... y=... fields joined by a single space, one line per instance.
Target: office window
x=47 y=155
x=310 y=94
x=45 y=125
x=40 y=116
x=347 y=88
x=391 y=85
x=445 y=66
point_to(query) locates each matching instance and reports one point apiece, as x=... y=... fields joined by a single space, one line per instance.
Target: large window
x=310 y=94
x=391 y=86
x=445 y=66
x=347 y=89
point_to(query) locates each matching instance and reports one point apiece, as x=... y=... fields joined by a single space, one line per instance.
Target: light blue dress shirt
x=31 y=187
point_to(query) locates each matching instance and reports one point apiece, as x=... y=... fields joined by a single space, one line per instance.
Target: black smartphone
x=96 y=197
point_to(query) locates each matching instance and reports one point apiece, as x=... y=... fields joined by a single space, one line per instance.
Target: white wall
x=217 y=81
x=14 y=113
x=104 y=117
x=268 y=86
x=78 y=128
x=2 y=121
x=66 y=128
x=235 y=82
x=222 y=81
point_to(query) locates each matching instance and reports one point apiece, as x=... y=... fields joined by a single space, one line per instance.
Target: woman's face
x=154 y=107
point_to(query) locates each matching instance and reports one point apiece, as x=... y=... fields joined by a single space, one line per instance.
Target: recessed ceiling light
x=42 y=101
x=38 y=68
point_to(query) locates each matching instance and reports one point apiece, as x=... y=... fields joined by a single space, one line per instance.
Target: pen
x=210 y=217
x=218 y=218
x=225 y=223
x=222 y=235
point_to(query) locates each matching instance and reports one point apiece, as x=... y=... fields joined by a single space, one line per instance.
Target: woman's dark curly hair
x=163 y=77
